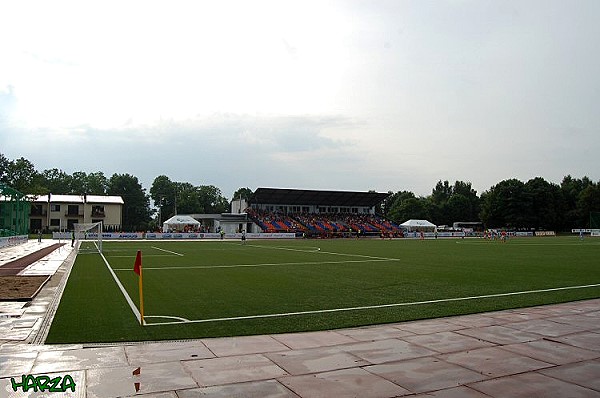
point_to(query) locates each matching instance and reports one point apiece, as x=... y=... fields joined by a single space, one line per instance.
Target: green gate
x=14 y=212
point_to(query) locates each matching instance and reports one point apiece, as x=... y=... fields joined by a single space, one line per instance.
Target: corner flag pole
x=137 y=268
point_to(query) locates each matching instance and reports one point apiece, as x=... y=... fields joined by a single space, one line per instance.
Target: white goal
x=89 y=236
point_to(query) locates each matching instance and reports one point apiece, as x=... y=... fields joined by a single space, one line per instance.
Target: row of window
x=71 y=209
x=35 y=224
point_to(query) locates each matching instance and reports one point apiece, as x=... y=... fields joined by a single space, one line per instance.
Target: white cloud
x=345 y=95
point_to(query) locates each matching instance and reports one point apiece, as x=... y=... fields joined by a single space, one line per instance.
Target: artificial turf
x=223 y=279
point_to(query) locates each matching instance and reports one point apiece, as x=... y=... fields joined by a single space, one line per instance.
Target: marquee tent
x=179 y=222
x=418 y=225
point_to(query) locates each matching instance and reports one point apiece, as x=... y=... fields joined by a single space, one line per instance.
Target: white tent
x=418 y=225
x=179 y=223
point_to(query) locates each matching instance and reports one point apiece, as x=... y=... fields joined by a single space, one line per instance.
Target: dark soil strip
x=20 y=288
x=16 y=266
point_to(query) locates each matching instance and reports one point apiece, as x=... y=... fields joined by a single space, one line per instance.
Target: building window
x=98 y=211
x=55 y=222
x=54 y=207
x=73 y=210
x=35 y=224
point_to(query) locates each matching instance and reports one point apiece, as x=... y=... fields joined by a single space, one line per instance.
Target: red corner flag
x=137 y=267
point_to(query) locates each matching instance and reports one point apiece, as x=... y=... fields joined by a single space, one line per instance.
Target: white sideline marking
x=145 y=255
x=127 y=298
x=259 y=265
x=368 y=307
x=167 y=251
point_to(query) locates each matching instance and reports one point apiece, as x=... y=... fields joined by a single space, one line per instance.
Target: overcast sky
x=343 y=95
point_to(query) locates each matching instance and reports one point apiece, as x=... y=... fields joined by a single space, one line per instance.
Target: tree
x=441 y=193
x=406 y=206
x=546 y=204
x=188 y=198
x=163 y=192
x=212 y=200
x=589 y=201
x=450 y=203
x=506 y=205
x=242 y=193
x=22 y=176
x=571 y=189
x=57 y=181
x=4 y=168
x=136 y=209
x=96 y=183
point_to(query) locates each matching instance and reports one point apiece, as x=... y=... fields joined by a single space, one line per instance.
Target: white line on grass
x=259 y=265
x=368 y=307
x=127 y=298
x=167 y=317
x=323 y=252
x=167 y=251
x=524 y=243
x=145 y=255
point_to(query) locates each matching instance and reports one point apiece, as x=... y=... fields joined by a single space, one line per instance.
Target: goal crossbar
x=90 y=232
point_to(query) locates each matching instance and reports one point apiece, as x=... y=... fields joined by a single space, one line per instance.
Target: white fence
x=13 y=241
x=179 y=236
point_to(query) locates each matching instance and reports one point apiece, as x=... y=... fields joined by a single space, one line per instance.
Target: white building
x=61 y=212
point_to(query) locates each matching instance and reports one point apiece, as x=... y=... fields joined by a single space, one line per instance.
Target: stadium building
x=313 y=212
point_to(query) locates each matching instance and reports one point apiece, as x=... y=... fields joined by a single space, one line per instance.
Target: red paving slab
x=532 y=385
x=546 y=351
x=426 y=374
x=585 y=374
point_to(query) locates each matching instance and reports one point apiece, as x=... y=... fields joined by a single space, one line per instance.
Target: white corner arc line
x=367 y=307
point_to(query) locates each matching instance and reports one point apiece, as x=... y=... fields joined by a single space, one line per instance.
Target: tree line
x=511 y=203
x=168 y=197
x=535 y=204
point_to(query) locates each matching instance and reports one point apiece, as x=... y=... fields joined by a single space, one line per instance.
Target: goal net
x=89 y=237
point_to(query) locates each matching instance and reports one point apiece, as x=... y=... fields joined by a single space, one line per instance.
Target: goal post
x=90 y=232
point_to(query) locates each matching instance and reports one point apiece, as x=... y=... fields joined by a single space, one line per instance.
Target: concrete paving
x=546 y=351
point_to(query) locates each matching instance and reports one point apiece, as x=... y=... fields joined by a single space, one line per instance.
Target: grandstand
x=319 y=213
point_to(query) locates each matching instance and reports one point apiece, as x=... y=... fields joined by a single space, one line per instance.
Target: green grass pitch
x=223 y=288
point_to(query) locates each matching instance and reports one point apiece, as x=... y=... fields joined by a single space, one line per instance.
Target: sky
x=335 y=95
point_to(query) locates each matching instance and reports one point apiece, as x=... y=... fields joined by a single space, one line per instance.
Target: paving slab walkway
x=546 y=351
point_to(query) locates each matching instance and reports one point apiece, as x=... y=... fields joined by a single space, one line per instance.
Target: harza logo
x=44 y=383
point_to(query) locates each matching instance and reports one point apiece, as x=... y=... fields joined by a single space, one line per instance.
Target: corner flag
x=137 y=268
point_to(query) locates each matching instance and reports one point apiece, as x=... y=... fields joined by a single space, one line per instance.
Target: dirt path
x=14 y=267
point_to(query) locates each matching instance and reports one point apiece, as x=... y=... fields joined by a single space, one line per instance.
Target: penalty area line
x=368 y=307
x=167 y=251
x=259 y=265
x=318 y=250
